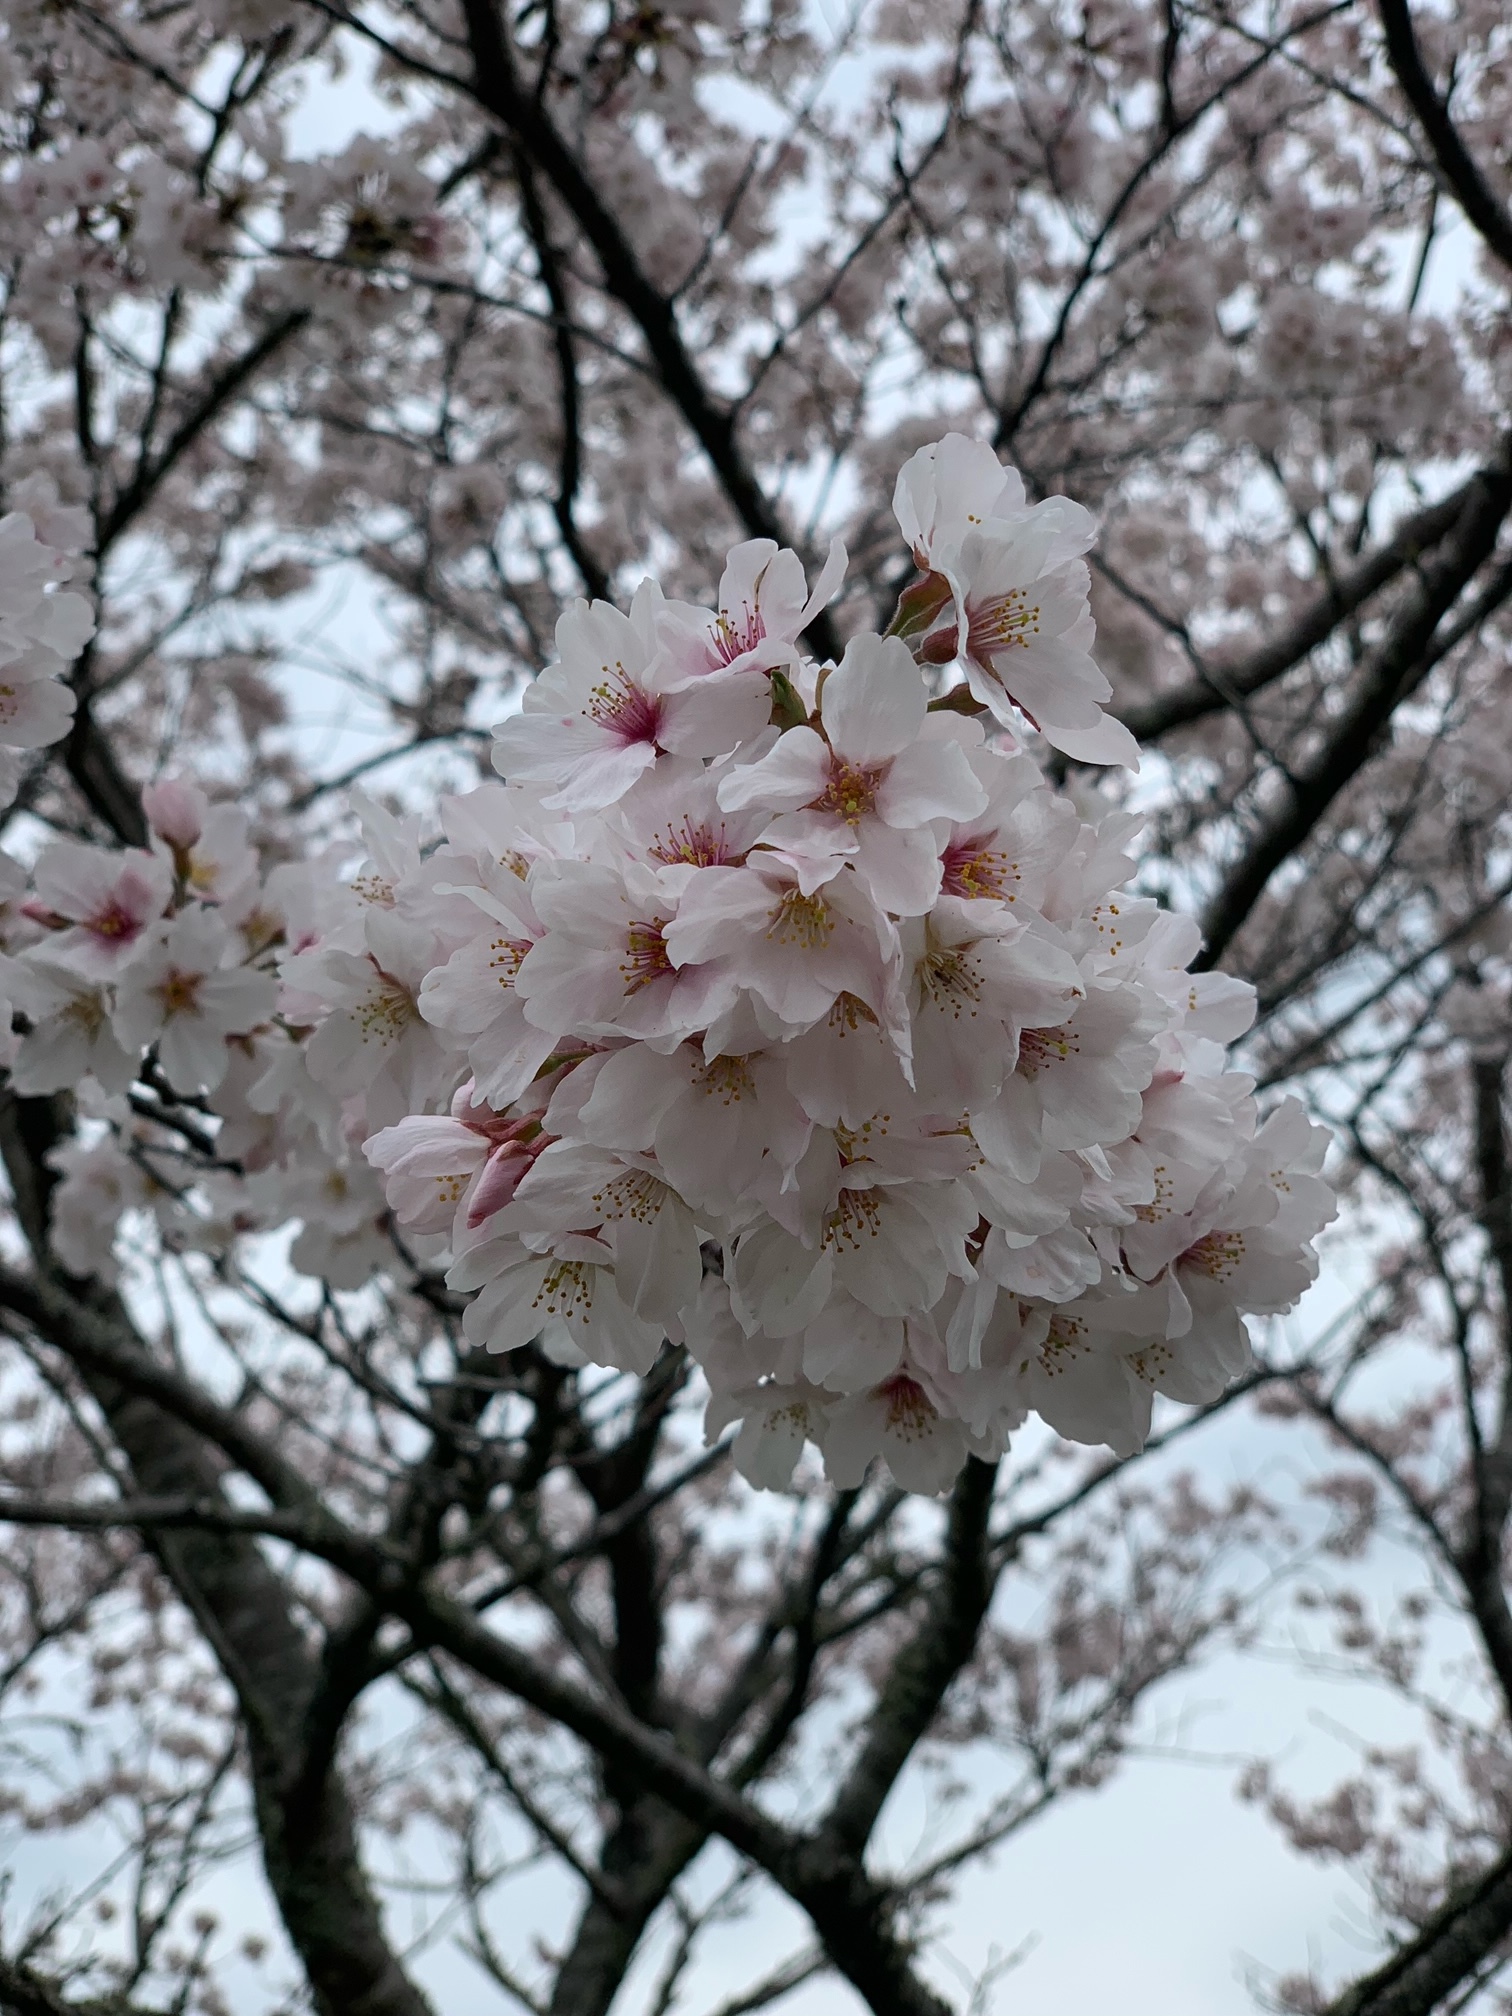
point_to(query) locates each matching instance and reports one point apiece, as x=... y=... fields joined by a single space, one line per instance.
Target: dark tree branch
x=1011 y=418
x=25 y=1992
x=1393 y=670
x=236 y=1598
x=800 y=1614
x=1457 y=166
x=1480 y=1561
x=941 y=1646
x=211 y=402
x=497 y=86
x=1219 y=688
x=1475 y=1920
x=1493 y=1165
x=570 y=471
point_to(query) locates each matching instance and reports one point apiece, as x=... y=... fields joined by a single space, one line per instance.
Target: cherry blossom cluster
x=778 y=1009
x=804 y=1024
x=43 y=626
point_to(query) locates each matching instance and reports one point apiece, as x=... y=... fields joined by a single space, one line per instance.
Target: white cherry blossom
x=1013 y=574
x=70 y=1033
x=764 y=608
x=865 y=790
x=179 y=994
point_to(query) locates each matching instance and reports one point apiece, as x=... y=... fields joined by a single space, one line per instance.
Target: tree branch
x=1472 y=1924
x=497 y=87
x=1218 y=690
x=1457 y=166
x=941 y=1646
x=1393 y=670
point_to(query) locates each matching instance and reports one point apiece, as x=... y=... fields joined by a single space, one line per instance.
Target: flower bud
x=176 y=812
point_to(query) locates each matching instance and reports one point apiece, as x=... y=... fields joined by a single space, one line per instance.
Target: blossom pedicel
x=777 y=1009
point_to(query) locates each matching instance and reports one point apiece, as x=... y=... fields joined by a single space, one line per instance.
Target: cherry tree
x=663 y=704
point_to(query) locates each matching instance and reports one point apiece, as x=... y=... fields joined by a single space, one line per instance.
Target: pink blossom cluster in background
x=43 y=626
x=781 y=1010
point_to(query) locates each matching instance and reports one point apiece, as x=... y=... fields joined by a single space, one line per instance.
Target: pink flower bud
x=176 y=812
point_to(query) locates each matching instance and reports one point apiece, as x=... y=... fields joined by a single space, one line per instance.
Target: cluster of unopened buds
x=776 y=1009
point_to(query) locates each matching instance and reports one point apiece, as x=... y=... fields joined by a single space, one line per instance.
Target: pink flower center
x=732 y=637
x=728 y=1079
x=645 y=957
x=804 y=921
x=386 y=1010
x=976 y=872
x=849 y=1014
x=952 y=980
x=86 y=1012
x=565 y=1290
x=636 y=1195
x=856 y=1217
x=1067 y=1335
x=694 y=847
x=114 y=922
x=627 y=711
x=1217 y=1255
x=909 y=1412
x=505 y=958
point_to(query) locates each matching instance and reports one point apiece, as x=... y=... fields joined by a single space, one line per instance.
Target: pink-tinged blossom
x=1213 y=1005
x=32 y=610
x=207 y=844
x=1245 y=1244
x=457 y=1168
x=896 y=1420
x=474 y=999
x=1009 y=850
x=845 y=1067
x=1083 y=1387
x=100 y=1181
x=865 y=790
x=1075 y=1083
x=672 y=819
x=176 y=812
x=370 y=1037
x=35 y=709
x=41 y=629
x=221 y=863
x=979 y=975
x=720 y=1127
x=1023 y=631
x=625 y=1203
x=777 y=1418
x=110 y=900
x=764 y=608
x=603 y=969
x=794 y=952
x=67 y=528
x=892 y=1247
x=595 y=721
x=342 y=1238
